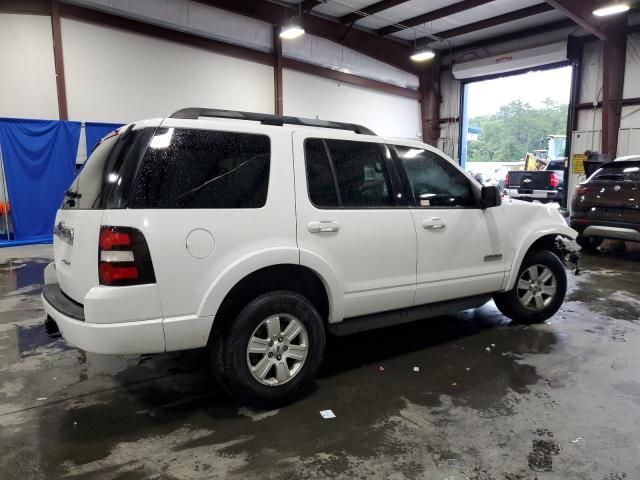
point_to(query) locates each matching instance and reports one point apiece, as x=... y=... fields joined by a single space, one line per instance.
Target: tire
x=543 y=304
x=590 y=244
x=285 y=357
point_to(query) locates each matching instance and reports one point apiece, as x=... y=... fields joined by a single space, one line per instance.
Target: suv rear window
x=106 y=178
x=556 y=165
x=188 y=168
x=620 y=172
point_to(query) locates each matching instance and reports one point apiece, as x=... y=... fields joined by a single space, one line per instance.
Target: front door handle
x=434 y=223
x=323 y=226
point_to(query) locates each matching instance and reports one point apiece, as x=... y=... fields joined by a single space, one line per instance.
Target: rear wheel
x=539 y=290
x=271 y=353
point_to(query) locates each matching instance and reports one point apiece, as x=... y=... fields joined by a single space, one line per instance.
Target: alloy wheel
x=277 y=349
x=537 y=287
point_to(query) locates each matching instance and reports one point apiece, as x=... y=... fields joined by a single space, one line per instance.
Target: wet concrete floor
x=553 y=401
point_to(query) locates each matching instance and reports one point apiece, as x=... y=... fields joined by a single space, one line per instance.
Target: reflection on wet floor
x=490 y=400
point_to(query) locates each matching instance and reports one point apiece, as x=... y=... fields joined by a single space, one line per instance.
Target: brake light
x=554 y=181
x=506 y=181
x=583 y=189
x=123 y=257
x=110 y=237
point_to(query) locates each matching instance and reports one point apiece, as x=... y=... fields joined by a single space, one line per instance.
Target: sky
x=485 y=98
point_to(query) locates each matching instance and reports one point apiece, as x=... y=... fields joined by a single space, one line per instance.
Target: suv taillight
x=506 y=181
x=123 y=257
x=554 y=181
x=582 y=189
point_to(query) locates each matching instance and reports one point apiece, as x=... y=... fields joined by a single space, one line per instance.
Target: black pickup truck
x=543 y=185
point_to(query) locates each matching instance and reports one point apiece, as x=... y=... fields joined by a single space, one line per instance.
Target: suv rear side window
x=189 y=168
x=347 y=174
x=434 y=181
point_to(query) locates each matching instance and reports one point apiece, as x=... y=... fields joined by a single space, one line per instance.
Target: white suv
x=254 y=235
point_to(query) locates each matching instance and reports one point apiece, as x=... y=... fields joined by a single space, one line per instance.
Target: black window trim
x=394 y=178
x=408 y=190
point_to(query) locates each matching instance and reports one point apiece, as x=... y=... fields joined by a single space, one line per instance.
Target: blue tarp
x=94 y=131
x=39 y=162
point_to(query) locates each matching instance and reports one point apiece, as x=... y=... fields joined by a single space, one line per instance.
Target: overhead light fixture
x=423 y=55
x=294 y=28
x=291 y=31
x=611 y=8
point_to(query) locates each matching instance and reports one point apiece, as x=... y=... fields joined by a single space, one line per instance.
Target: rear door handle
x=323 y=226
x=434 y=223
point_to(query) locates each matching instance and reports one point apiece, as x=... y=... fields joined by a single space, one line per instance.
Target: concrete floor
x=553 y=401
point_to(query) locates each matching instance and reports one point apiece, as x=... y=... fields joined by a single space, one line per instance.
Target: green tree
x=517 y=128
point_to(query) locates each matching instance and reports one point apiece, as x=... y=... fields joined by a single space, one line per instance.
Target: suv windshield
x=622 y=171
x=106 y=177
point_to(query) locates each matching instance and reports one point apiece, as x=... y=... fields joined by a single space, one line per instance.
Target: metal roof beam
x=385 y=50
x=495 y=21
x=580 y=11
x=370 y=10
x=433 y=15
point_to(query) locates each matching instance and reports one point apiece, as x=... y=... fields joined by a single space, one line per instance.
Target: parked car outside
x=607 y=204
x=256 y=239
x=542 y=185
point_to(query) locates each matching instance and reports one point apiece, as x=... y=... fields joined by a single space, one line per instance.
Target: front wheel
x=539 y=290
x=271 y=353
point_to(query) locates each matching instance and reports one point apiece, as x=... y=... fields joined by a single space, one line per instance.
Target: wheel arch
x=541 y=239
x=284 y=276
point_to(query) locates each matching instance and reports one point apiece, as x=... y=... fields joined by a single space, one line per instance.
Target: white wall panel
x=314 y=97
x=591 y=80
x=628 y=142
x=450 y=89
x=116 y=76
x=28 y=81
x=632 y=68
x=449 y=139
x=630 y=117
x=193 y=17
x=590 y=119
x=333 y=55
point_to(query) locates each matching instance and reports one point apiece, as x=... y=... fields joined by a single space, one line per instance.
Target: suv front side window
x=347 y=174
x=434 y=181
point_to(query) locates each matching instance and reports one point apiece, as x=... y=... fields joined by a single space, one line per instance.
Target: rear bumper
x=606 y=229
x=137 y=337
x=535 y=194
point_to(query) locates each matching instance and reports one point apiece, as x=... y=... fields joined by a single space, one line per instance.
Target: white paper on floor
x=327 y=414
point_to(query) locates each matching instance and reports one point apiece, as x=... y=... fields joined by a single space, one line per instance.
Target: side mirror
x=490 y=197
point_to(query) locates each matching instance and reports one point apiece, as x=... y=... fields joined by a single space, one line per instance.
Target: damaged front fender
x=569 y=251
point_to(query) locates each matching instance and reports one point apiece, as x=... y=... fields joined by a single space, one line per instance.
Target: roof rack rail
x=195 y=112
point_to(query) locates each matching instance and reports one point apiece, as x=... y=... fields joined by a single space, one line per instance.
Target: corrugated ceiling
x=413 y=8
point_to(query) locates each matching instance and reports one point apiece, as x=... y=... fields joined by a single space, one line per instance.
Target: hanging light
x=294 y=28
x=291 y=31
x=423 y=55
x=610 y=8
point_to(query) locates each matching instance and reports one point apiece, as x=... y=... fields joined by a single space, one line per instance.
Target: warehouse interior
x=469 y=395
